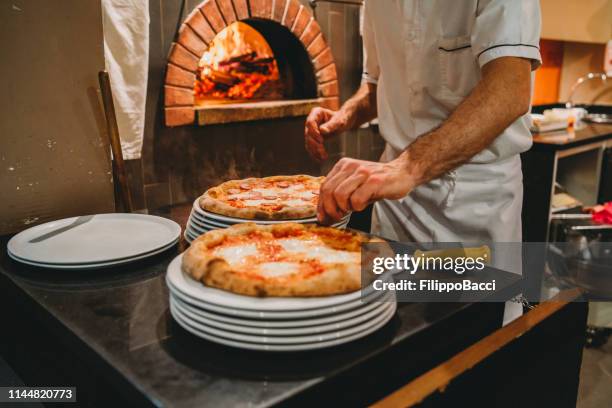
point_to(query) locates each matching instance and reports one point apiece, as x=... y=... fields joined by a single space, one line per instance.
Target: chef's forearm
x=501 y=97
x=361 y=107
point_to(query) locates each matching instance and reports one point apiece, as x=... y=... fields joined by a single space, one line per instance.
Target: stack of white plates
x=275 y=324
x=202 y=221
x=94 y=241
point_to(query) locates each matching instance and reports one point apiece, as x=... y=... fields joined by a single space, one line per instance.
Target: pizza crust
x=212 y=200
x=214 y=271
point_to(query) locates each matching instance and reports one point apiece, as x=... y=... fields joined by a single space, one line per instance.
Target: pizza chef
x=450 y=83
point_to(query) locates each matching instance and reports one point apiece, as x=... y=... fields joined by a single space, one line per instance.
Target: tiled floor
x=596 y=377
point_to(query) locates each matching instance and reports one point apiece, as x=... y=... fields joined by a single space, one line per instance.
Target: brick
x=242 y=9
x=328 y=89
x=316 y=46
x=183 y=58
x=279 y=10
x=213 y=15
x=198 y=23
x=301 y=21
x=227 y=9
x=190 y=40
x=327 y=74
x=179 y=77
x=261 y=8
x=293 y=6
x=323 y=59
x=179 y=116
x=175 y=96
x=332 y=103
x=310 y=33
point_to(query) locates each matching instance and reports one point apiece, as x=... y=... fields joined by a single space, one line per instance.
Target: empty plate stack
x=94 y=241
x=275 y=324
x=201 y=221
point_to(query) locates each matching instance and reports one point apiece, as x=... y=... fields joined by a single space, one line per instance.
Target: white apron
x=473 y=203
x=426 y=57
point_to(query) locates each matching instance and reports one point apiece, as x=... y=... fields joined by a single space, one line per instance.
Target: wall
x=574 y=33
x=577 y=20
x=578 y=60
x=548 y=76
x=54 y=155
x=562 y=64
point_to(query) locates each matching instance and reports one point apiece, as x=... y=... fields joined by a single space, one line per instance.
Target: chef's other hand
x=353 y=184
x=320 y=124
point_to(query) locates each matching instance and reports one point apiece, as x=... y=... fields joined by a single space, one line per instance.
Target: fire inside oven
x=246 y=62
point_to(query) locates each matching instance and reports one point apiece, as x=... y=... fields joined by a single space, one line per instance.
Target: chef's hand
x=353 y=184
x=322 y=123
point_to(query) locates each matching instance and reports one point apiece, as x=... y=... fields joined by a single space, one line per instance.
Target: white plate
x=193 y=314
x=196 y=232
x=292 y=323
x=313 y=338
x=195 y=222
x=192 y=236
x=204 y=215
x=193 y=218
x=197 y=229
x=94 y=265
x=93 y=239
x=218 y=297
x=201 y=229
x=375 y=297
x=279 y=347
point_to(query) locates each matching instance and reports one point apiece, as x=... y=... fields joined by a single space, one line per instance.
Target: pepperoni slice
x=232 y=198
x=245 y=186
x=283 y=184
x=270 y=197
x=233 y=191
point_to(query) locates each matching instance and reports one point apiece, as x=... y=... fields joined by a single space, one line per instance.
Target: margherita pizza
x=286 y=259
x=268 y=198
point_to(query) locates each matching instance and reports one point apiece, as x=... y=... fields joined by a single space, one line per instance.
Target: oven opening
x=253 y=60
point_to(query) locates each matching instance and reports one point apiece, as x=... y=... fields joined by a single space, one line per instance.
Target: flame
x=238 y=64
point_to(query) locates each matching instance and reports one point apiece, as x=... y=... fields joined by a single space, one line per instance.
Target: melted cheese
x=315 y=249
x=236 y=254
x=256 y=203
x=247 y=256
x=277 y=269
x=305 y=194
x=295 y=203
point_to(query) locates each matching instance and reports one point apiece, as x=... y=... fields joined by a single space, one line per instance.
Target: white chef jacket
x=426 y=57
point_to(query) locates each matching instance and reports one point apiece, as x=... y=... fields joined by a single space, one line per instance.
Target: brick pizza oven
x=306 y=70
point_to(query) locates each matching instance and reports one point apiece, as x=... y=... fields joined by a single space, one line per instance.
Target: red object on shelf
x=602 y=214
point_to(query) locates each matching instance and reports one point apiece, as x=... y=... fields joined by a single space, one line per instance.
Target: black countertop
x=584 y=133
x=116 y=323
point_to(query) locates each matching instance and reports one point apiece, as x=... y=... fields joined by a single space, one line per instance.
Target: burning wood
x=226 y=72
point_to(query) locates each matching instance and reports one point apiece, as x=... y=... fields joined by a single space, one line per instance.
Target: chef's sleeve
x=507 y=28
x=371 y=69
